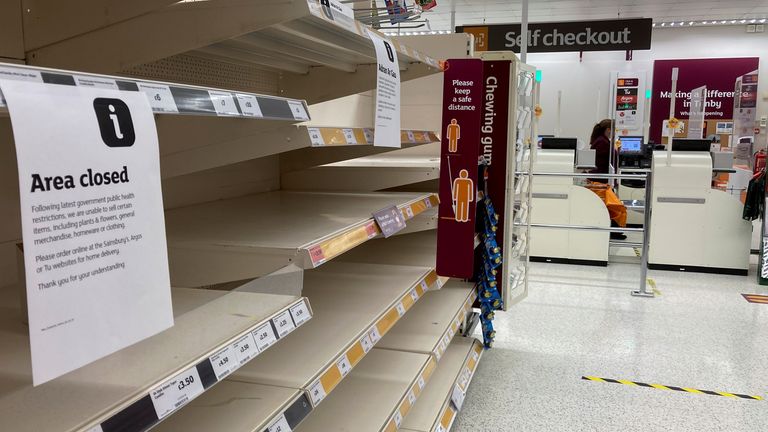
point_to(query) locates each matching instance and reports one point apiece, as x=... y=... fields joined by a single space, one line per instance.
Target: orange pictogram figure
x=463 y=194
x=454 y=134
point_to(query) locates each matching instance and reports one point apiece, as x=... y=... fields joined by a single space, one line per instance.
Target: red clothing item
x=602 y=147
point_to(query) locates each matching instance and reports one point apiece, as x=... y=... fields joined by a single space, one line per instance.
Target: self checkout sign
x=607 y=35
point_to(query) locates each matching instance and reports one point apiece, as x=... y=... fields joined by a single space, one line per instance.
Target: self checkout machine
x=695 y=227
x=635 y=157
x=558 y=201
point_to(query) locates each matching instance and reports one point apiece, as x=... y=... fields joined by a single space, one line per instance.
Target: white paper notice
x=92 y=222
x=387 y=121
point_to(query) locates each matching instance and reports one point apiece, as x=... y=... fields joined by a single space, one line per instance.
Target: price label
x=370 y=230
x=366 y=343
x=224 y=362
x=439 y=283
x=283 y=323
x=398 y=419
x=159 y=96
x=300 y=313
x=446 y=340
x=411 y=137
x=400 y=309
x=457 y=396
x=428 y=202
x=414 y=295
x=315 y=137
x=249 y=105
x=421 y=383
x=349 y=135
x=368 y=135
x=411 y=398
x=475 y=355
x=245 y=349
x=374 y=334
x=440 y=428
x=298 y=110
x=281 y=425
x=441 y=348
x=264 y=336
x=451 y=333
x=176 y=392
x=223 y=103
x=409 y=212
x=95 y=82
x=317 y=255
x=424 y=286
x=343 y=365
x=317 y=392
x=96 y=428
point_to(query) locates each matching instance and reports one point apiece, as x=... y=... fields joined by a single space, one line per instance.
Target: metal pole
x=558 y=130
x=672 y=101
x=580 y=227
x=524 y=32
x=643 y=291
x=586 y=175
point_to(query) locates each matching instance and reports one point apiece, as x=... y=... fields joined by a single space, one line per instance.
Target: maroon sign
x=493 y=137
x=719 y=75
x=459 y=153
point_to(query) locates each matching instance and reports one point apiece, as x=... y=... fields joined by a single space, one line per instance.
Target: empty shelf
x=418 y=248
x=251 y=236
x=238 y=406
x=436 y=409
x=376 y=396
x=433 y=322
x=214 y=334
x=354 y=306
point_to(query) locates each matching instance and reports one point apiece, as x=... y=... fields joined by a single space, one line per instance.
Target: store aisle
x=700 y=333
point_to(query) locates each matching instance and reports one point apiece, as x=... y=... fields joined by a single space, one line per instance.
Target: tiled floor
x=700 y=333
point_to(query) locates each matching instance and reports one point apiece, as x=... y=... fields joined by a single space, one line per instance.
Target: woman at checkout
x=600 y=141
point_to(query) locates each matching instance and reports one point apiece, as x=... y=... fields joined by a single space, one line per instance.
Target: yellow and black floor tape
x=663 y=387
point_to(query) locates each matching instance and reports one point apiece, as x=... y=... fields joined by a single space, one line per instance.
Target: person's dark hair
x=600 y=128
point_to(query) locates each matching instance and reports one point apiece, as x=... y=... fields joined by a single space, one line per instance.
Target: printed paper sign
x=387 y=121
x=390 y=220
x=92 y=222
x=459 y=152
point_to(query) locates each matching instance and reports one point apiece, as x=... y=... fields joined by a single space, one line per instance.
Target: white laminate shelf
x=214 y=334
x=432 y=324
x=376 y=396
x=254 y=235
x=354 y=305
x=436 y=409
x=368 y=173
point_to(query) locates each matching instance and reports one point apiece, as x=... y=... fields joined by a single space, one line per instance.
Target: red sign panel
x=493 y=137
x=459 y=152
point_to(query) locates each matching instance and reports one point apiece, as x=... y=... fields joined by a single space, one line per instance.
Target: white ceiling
x=499 y=11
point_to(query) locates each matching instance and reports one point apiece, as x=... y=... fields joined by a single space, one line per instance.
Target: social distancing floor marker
x=681 y=389
x=651 y=282
x=756 y=298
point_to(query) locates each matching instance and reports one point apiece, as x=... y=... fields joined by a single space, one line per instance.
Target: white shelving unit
x=376 y=396
x=116 y=392
x=247 y=202
x=254 y=235
x=355 y=306
x=436 y=409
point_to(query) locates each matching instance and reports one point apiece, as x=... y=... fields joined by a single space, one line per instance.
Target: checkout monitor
x=631 y=144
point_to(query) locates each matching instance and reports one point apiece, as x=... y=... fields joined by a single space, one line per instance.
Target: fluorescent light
x=690 y=23
x=743 y=21
x=663 y=24
x=704 y=22
x=722 y=22
x=752 y=21
x=653 y=25
x=762 y=20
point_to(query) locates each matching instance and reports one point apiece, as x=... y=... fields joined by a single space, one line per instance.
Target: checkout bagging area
x=681 y=222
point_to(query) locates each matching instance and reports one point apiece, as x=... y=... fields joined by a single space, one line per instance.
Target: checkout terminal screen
x=631 y=144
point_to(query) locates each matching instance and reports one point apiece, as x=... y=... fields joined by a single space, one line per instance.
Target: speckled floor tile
x=700 y=333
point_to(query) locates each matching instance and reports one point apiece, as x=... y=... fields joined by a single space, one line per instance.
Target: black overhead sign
x=608 y=35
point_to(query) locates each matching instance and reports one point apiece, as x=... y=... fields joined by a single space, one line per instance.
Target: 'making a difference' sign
x=609 y=35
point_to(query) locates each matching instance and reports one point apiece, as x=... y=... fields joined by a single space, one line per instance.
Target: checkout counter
x=558 y=201
x=695 y=227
